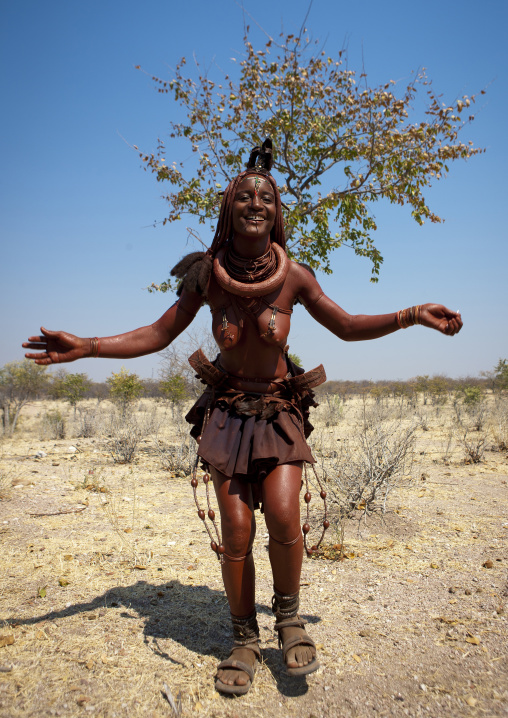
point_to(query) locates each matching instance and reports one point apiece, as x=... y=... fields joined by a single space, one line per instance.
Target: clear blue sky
x=78 y=244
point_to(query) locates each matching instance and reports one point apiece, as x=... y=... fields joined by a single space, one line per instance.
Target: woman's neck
x=251 y=248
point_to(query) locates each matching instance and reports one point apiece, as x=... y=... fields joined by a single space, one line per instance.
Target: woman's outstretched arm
x=59 y=347
x=360 y=327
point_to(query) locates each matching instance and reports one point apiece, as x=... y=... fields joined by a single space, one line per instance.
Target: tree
x=501 y=375
x=323 y=120
x=175 y=389
x=295 y=359
x=20 y=382
x=422 y=386
x=175 y=358
x=124 y=388
x=72 y=388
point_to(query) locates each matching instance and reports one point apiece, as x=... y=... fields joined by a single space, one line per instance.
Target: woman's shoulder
x=300 y=275
x=303 y=283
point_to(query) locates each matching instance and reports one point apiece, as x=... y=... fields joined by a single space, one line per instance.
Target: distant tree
x=57 y=379
x=295 y=359
x=20 y=382
x=175 y=358
x=326 y=123
x=438 y=389
x=175 y=389
x=124 y=388
x=422 y=385
x=471 y=395
x=72 y=388
x=501 y=375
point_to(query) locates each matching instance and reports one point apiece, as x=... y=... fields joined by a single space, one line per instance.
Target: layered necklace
x=247 y=277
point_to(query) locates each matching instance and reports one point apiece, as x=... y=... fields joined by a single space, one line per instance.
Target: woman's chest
x=236 y=319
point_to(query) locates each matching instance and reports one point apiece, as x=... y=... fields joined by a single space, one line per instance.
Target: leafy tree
x=72 y=388
x=422 y=386
x=501 y=375
x=124 y=388
x=20 y=382
x=175 y=389
x=471 y=395
x=438 y=388
x=295 y=359
x=323 y=120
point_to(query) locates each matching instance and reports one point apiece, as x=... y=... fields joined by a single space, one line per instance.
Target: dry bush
x=375 y=458
x=332 y=409
x=179 y=454
x=499 y=422
x=125 y=430
x=88 y=422
x=53 y=425
x=471 y=430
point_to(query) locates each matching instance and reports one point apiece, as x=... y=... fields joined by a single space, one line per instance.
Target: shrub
x=53 y=425
x=124 y=388
x=376 y=457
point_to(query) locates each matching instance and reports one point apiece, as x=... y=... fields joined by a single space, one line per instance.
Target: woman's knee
x=284 y=524
x=238 y=533
x=281 y=501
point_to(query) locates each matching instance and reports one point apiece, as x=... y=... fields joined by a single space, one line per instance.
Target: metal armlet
x=186 y=311
x=311 y=304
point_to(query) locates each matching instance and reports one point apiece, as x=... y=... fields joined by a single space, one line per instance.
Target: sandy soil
x=102 y=607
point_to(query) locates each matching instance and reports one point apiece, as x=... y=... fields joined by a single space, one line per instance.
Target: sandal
x=231 y=662
x=285 y=609
x=246 y=636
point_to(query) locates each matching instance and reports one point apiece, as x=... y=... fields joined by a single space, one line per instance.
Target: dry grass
x=107 y=606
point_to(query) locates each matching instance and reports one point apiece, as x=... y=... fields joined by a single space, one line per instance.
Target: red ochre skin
x=249 y=354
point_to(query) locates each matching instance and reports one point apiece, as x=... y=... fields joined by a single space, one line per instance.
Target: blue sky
x=77 y=209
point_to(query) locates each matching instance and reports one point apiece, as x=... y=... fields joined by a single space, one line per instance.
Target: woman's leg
x=238 y=528
x=281 y=501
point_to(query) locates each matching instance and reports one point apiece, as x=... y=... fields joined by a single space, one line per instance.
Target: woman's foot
x=298 y=649
x=302 y=654
x=236 y=673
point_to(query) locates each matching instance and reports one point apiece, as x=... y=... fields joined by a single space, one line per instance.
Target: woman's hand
x=56 y=347
x=435 y=316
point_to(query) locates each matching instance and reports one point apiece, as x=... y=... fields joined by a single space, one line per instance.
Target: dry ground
x=98 y=620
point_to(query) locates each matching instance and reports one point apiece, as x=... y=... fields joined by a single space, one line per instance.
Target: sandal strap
x=296 y=622
x=298 y=641
x=241 y=665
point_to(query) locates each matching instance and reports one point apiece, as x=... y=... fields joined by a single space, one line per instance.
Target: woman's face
x=254 y=208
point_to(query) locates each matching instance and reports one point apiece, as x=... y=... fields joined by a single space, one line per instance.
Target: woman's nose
x=255 y=201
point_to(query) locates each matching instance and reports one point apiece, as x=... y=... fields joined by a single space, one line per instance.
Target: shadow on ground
x=197 y=617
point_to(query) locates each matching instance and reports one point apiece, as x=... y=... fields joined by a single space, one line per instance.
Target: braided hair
x=194 y=270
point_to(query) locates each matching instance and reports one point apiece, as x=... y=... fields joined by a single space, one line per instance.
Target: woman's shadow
x=197 y=617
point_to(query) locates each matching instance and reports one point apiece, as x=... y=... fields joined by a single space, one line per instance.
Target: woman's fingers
x=32 y=345
x=39 y=355
x=35 y=339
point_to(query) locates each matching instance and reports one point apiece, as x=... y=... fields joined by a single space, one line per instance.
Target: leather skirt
x=247 y=433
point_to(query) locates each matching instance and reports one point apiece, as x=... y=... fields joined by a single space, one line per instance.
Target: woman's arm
x=359 y=327
x=58 y=347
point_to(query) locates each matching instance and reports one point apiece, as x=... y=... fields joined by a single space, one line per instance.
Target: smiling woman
x=254 y=214
x=251 y=423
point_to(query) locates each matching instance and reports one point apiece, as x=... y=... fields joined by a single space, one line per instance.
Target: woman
x=251 y=422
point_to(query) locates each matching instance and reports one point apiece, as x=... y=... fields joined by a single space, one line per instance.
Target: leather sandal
x=246 y=635
x=232 y=662
x=303 y=640
x=285 y=609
